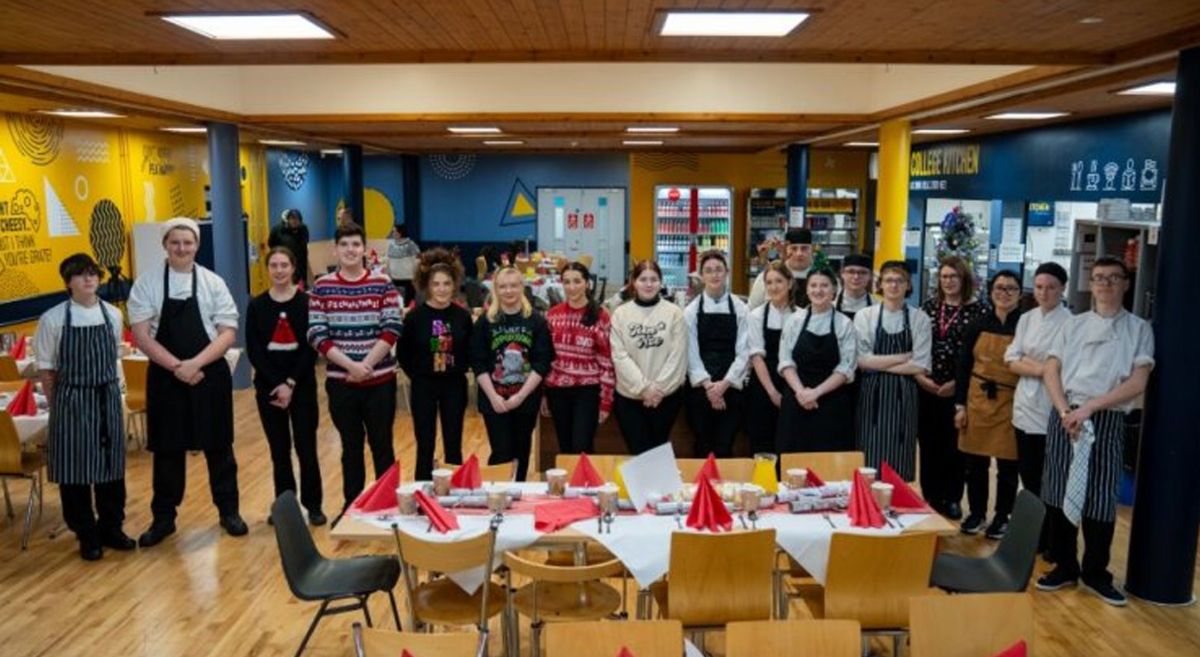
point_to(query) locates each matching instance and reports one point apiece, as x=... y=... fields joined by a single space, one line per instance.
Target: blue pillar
x=352 y=181
x=228 y=229
x=1166 y=512
x=797 y=179
x=410 y=173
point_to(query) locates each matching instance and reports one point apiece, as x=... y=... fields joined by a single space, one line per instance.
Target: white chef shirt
x=847 y=338
x=216 y=303
x=775 y=320
x=736 y=375
x=1099 y=353
x=1036 y=332
x=50 y=328
x=893 y=322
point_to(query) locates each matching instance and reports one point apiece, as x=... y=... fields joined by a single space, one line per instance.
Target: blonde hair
x=493 y=311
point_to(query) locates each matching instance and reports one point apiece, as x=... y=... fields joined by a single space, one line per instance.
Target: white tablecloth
x=27 y=367
x=31 y=428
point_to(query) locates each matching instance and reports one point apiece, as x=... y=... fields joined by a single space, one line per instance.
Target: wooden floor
x=202 y=593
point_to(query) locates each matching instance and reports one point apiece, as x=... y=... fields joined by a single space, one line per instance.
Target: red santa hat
x=283 y=339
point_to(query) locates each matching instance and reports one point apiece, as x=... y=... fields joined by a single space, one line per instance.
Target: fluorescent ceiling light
x=83 y=114
x=731 y=23
x=1152 y=89
x=251 y=26
x=281 y=142
x=642 y=142
x=940 y=131
x=1091 y=20
x=331 y=151
x=473 y=130
x=1026 y=116
x=863 y=144
x=503 y=142
x=186 y=129
x=652 y=129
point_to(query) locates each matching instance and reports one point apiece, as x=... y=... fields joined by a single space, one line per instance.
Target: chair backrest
x=794 y=638
x=606 y=464
x=831 y=466
x=714 y=579
x=11 y=386
x=546 y=572
x=442 y=556
x=297 y=551
x=586 y=260
x=135 y=370
x=870 y=579
x=499 y=472
x=370 y=642
x=8 y=369
x=661 y=638
x=733 y=469
x=10 y=445
x=1018 y=549
x=481 y=267
x=970 y=625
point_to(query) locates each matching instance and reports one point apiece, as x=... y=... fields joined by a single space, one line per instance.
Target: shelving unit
x=832 y=216
x=766 y=218
x=1134 y=242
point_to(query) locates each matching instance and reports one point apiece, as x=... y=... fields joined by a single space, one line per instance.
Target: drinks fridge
x=766 y=218
x=687 y=222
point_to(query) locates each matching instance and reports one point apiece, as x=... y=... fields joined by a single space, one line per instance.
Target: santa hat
x=283 y=339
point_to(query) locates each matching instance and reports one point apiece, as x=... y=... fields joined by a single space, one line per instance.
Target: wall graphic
x=294 y=167
x=452 y=167
x=521 y=208
x=37 y=136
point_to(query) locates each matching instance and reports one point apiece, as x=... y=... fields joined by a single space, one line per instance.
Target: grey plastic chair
x=1009 y=568
x=313 y=577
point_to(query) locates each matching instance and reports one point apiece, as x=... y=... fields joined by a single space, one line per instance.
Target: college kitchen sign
x=947 y=160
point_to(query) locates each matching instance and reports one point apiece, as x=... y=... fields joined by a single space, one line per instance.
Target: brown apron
x=989 y=429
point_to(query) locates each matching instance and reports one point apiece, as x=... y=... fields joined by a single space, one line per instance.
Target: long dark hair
x=591 y=312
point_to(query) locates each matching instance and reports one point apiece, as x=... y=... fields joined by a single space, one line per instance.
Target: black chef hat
x=857 y=260
x=798 y=236
x=1054 y=269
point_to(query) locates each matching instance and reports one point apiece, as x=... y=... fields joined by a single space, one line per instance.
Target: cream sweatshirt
x=649 y=345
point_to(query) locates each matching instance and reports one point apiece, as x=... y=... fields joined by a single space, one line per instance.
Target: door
x=585 y=220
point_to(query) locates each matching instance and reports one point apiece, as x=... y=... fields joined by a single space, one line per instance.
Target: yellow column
x=891 y=210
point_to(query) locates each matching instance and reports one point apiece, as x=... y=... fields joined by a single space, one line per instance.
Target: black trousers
x=295 y=426
x=1097 y=546
x=977 y=484
x=942 y=467
x=170 y=482
x=77 y=510
x=511 y=437
x=762 y=419
x=429 y=397
x=646 y=428
x=406 y=289
x=360 y=413
x=714 y=431
x=1031 y=458
x=576 y=413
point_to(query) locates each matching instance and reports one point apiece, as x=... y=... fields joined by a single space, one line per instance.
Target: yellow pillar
x=891 y=210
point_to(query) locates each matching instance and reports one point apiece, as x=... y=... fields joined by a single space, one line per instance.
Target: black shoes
x=117 y=540
x=1106 y=592
x=90 y=551
x=972 y=524
x=953 y=511
x=234 y=525
x=1056 y=579
x=997 y=529
x=156 y=534
x=316 y=518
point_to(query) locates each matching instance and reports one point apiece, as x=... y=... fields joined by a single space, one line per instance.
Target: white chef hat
x=181 y=222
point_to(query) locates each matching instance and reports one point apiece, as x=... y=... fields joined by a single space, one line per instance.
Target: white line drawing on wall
x=1110 y=176
x=82 y=189
x=59 y=221
x=1149 y=182
x=1077 y=175
x=90 y=148
x=1129 y=177
x=1093 y=177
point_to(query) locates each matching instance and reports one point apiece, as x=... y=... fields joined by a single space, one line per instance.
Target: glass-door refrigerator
x=688 y=221
x=766 y=218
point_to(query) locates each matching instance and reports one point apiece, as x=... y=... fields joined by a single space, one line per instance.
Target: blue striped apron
x=887 y=407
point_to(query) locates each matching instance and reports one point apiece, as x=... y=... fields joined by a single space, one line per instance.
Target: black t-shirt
x=275 y=360
x=435 y=341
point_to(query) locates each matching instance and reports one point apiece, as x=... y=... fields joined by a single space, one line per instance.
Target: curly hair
x=437 y=260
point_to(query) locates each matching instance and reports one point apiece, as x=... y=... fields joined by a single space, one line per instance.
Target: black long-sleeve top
x=508 y=350
x=435 y=341
x=988 y=323
x=276 y=363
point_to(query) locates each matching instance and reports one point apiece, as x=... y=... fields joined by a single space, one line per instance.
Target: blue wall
x=306 y=188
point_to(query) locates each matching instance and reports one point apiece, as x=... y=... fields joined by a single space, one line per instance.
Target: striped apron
x=1104 y=465
x=887 y=407
x=86 y=443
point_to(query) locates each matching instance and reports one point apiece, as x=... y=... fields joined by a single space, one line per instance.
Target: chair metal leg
x=362 y=600
x=7 y=499
x=29 y=514
x=312 y=627
x=395 y=612
x=643 y=604
x=482 y=650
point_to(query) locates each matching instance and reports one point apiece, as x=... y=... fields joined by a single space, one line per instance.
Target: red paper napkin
x=1018 y=649
x=709 y=469
x=441 y=519
x=467 y=475
x=904 y=498
x=552 y=516
x=380 y=495
x=127 y=336
x=405 y=653
x=708 y=511
x=625 y=652
x=813 y=480
x=23 y=403
x=18 y=348
x=864 y=512
x=585 y=474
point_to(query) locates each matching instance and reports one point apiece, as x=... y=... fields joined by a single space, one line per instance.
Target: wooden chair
x=11 y=386
x=820 y=638
x=370 y=642
x=968 y=625
x=561 y=593
x=586 y=259
x=481 y=267
x=135 y=370
x=714 y=579
x=15 y=463
x=498 y=472
x=662 y=638
x=831 y=466
x=606 y=464
x=439 y=601
x=734 y=469
x=8 y=369
x=871 y=579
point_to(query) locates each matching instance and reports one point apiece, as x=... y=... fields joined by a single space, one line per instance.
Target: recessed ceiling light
x=940 y=131
x=1091 y=20
x=652 y=129
x=642 y=142
x=1152 y=89
x=1026 y=116
x=82 y=114
x=862 y=144
x=731 y=23
x=473 y=130
x=186 y=129
x=251 y=25
x=502 y=142
x=281 y=142
x=331 y=151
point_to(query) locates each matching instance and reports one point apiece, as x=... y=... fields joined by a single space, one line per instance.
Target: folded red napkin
x=814 y=481
x=1018 y=649
x=904 y=498
x=406 y=653
x=552 y=516
x=127 y=336
x=585 y=474
x=625 y=652
x=864 y=512
x=380 y=495
x=708 y=511
x=467 y=475
x=23 y=403
x=18 y=348
x=441 y=519
x=709 y=469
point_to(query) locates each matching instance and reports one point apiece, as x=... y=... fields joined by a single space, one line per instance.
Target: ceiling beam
x=556 y=117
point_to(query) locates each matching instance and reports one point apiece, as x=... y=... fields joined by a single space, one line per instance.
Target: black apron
x=179 y=416
x=762 y=416
x=799 y=292
x=717 y=339
x=849 y=313
x=828 y=428
x=86 y=433
x=887 y=407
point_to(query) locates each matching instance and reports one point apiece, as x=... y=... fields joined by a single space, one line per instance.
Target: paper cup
x=750 y=496
x=883 y=494
x=868 y=474
x=557 y=479
x=497 y=499
x=607 y=498
x=441 y=482
x=406 y=501
x=797 y=478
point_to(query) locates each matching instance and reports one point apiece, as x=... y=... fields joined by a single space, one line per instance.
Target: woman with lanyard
x=983 y=398
x=579 y=388
x=649 y=351
x=951 y=309
x=856 y=285
x=76 y=344
x=510 y=353
x=285 y=380
x=893 y=348
x=764 y=395
x=184 y=320
x=817 y=357
x=1026 y=357
x=718 y=345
